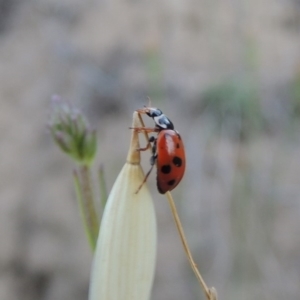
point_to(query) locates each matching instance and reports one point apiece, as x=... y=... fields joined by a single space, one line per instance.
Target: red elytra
x=170 y=161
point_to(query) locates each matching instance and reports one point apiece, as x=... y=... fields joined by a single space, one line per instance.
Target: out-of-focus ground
x=228 y=75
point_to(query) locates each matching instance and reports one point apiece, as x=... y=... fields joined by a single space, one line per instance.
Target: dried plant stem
x=143 y=125
x=209 y=293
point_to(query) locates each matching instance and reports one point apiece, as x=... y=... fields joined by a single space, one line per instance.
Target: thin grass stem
x=210 y=293
x=207 y=291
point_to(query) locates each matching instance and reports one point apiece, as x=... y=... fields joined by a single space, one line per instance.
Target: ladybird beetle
x=167 y=151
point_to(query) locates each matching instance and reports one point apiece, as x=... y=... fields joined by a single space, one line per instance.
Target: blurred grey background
x=227 y=73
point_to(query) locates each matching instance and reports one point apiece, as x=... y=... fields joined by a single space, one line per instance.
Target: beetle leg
x=153 y=158
x=151 y=140
x=145 y=179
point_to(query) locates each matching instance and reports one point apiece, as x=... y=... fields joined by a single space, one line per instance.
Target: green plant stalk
x=102 y=185
x=85 y=197
x=79 y=197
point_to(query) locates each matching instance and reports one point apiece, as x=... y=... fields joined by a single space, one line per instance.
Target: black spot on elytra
x=171 y=182
x=177 y=146
x=166 y=169
x=177 y=161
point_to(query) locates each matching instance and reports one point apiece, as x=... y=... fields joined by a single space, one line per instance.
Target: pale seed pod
x=124 y=262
